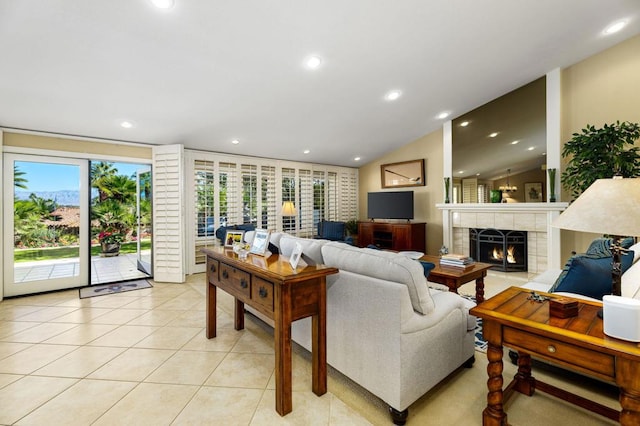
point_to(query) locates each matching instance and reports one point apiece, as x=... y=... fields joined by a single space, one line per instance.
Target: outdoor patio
x=103 y=269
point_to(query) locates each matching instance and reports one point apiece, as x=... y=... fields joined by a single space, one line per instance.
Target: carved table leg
x=480 y=290
x=211 y=311
x=628 y=378
x=524 y=382
x=494 y=414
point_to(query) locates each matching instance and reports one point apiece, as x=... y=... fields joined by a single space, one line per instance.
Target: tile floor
x=141 y=357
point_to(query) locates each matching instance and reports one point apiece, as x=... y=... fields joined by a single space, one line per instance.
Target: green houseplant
x=599 y=154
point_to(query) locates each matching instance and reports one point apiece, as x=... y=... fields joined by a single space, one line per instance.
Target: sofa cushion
x=311 y=249
x=588 y=275
x=384 y=265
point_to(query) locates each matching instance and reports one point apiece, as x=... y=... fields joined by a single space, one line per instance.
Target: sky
x=61 y=177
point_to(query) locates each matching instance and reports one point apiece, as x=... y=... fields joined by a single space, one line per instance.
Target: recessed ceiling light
x=306 y=151
x=531 y=148
x=313 y=62
x=163 y=4
x=356 y=159
x=393 y=95
x=493 y=135
x=442 y=115
x=461 y=171
x=235 y=141
x=514 y=142
x=126 y=124
x=464 y=124
x=615 y=27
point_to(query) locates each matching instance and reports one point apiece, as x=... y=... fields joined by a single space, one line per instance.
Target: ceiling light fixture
x=615 y=27
x=313 y=62
x=356 y=159
x=163 y=4
x=531 y=148
x=508 y=188
x=306 y=151
x=442 y=115
x=514 y=142
x=393 y=95
x=493 y=135
x=464 y=124
x=126 y=124
x=235 y=141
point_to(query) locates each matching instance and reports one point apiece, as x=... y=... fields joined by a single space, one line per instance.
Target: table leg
x=319 y=342
x=238 y=315
x=525 y=384
x=494 y=414
x=211 y=311
x=480 y=289
x=282 y=337
x=628 y=379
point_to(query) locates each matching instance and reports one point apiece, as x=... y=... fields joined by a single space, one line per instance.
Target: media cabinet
x=396 y=236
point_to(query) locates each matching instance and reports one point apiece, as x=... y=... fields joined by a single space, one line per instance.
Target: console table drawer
x=262 y=293
x=235 y=280
x=560 y=351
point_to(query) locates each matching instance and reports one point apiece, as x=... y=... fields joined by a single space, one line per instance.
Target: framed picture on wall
x=533 y=192
x=406 y=173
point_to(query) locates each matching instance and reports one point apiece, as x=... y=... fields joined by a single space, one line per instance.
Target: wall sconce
x=288 y=209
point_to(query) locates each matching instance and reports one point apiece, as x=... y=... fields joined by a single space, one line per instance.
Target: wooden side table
x=454 y=277
x=513 y=319
x=284 y=295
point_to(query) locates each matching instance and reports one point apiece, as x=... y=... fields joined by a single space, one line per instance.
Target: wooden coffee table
x=512 y=319
x=454 y=277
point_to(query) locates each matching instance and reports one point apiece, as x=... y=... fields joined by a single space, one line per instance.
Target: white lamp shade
x=288 y=209
x=608 y=206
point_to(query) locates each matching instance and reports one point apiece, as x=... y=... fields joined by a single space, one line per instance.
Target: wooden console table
x=273 y=288
x=512 y=319
x=454 y=277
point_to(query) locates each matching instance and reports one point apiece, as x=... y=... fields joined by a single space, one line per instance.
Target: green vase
x=446 y=190
x=495 y=195
x=552 y=185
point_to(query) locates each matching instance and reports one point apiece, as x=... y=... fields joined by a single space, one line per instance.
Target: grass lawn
x=51 y=253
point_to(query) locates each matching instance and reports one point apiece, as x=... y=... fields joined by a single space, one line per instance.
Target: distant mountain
x=63 y=198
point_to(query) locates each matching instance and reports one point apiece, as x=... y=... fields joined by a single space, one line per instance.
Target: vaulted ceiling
x=204 y=73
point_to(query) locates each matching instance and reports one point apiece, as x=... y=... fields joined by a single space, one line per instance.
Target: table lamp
x=608 y=206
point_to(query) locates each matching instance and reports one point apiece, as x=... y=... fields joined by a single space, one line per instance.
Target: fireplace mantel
x=536 y=218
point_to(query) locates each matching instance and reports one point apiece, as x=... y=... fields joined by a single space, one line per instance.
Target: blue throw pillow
x=427 y=266
x=601 y=247
x=589 y=275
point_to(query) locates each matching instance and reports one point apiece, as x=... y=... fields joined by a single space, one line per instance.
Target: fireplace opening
x=505 y=250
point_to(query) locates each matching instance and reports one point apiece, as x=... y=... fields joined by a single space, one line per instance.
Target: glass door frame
x=11 y=288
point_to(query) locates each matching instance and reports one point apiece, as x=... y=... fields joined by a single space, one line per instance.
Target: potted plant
x=110 y=241
x=599 y=154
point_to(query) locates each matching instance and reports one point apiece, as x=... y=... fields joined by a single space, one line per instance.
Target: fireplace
x=505 y=250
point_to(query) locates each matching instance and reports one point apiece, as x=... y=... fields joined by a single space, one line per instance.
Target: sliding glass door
x=45 y=224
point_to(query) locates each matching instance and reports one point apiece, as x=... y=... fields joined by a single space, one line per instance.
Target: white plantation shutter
x=168 y=214
x=348 y=206
x=201 y=204
x=230 y=195
x=470 y=190
x=331 y=193
x=318 y=198
x=268 y=204
x=305 y=204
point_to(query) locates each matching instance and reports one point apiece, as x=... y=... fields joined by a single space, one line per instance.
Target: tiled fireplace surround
x=543 y=241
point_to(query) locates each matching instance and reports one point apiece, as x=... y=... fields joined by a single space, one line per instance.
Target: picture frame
x=403 y=174
x=260 y=242
x=232 y=237
x=295 y=256
x=533 y=192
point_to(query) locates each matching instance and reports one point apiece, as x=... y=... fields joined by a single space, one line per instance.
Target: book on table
x=456 y=260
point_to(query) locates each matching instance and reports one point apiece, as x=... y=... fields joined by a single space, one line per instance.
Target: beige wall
x=428 y=147
x=603 y=88
x=74 y=145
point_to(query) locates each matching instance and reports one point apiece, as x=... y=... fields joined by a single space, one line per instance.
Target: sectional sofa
x=387 y=330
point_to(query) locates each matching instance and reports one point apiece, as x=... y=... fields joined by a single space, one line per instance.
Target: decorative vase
x=109 y=249
x=552 y=185
x=495 y=195
x=446 y=189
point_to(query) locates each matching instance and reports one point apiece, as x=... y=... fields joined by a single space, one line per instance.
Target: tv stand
x=393 y=236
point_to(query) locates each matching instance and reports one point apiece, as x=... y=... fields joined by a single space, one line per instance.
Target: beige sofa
x=386 y=329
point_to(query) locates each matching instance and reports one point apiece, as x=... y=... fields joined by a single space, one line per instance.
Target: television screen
x=390 y=205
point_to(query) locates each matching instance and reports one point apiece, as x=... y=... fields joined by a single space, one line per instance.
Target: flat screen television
x=390 y=205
